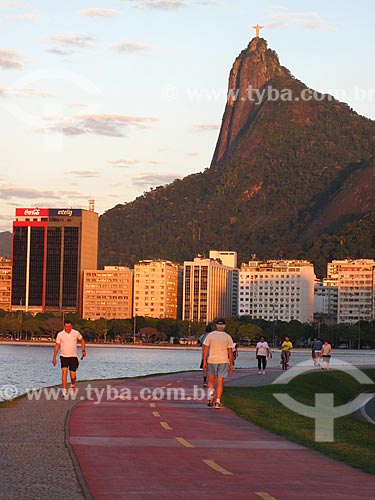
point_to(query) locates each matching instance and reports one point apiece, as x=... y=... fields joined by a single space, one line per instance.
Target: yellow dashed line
x=166 y=426
x=156 y=414
x=264 y=495
x=152 y=405
x=185 y=443
x=218 y=468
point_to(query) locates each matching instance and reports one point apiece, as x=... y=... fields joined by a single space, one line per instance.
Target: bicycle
x=285 y=356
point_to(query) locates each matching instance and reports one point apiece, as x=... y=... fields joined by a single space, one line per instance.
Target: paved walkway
x=129 y=447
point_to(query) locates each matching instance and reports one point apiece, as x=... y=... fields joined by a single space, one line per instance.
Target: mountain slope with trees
x=289 y=178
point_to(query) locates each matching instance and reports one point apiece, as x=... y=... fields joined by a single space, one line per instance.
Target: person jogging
x=66 y=341
x=218 y=361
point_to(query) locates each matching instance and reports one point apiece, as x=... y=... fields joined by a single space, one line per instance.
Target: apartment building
x=356 y=287
x=5 y=283
x=107 y=293
x=156 y=289
x=277 y=290
x=207 y=290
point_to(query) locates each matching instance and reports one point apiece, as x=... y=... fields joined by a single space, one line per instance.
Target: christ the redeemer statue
x=257 y=29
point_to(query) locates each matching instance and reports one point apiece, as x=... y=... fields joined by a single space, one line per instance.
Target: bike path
x=128 y=447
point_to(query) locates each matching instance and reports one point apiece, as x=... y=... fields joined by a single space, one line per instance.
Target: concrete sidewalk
x=130 y=447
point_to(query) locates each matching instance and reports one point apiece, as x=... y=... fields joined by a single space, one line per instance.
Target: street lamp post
x=134 y=328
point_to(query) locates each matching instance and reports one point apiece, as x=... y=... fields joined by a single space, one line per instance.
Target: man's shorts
x=71 y=363
x=219 y=370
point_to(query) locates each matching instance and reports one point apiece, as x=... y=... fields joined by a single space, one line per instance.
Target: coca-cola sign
x=31 y=212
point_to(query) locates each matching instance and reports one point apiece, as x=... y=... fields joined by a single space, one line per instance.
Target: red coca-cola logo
x=32 y=212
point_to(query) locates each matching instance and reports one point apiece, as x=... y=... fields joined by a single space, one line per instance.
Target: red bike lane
x=140 y=446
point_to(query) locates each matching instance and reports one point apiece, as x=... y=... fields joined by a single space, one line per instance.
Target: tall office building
x=156 y=289
x=277 y=290
x=208 y=290
x=51 y=249
x=5 y=283
x=108 y=293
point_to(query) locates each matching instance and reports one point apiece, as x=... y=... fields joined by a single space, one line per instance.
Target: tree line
x=246 y=331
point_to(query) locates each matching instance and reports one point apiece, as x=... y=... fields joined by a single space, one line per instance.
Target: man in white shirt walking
x=66 y=341
x=262 y=352
x=217 y=360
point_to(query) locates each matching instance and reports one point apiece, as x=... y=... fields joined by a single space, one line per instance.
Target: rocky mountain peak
x=251 y=71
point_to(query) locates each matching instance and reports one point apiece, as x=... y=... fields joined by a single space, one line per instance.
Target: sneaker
x=218 y=404
x=72 y=389
x=210 y=402
x=204 y=384
x=259 y=373
x=263 y=372
x=64 y=393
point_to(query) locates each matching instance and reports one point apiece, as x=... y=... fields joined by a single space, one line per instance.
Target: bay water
x=26 y=367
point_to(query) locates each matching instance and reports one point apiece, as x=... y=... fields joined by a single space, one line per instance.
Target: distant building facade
x=326 y=299
x=207 y=290
x=5 y=283
x=51 y=249
x=156 y=289
x=277 y=290
x=108 y=293
x=356 y=290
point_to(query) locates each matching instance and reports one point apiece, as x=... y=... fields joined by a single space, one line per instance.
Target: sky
x=108 y=99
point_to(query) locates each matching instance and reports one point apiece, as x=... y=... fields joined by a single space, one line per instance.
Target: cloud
x=207 y=3
x=98 y=12
x=126 y=163
x=73 y=40
x=172 y=5
x=130 y=47
x=169 y=5
x=76 y=105
x=282 y=18
x=206 y=126
x=123 y=163
x=98 y=124
x=154 y=179
x=25 y=92
x=60 y=52
x=83 y=173
x=10 y=59
x=11 y=192
x=27 y=16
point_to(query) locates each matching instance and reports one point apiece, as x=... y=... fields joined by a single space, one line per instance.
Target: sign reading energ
x=65 y=212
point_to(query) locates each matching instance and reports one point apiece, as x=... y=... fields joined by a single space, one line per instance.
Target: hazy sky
x=106 y=100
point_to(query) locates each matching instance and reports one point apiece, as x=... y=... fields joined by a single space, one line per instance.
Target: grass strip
x=354 y=442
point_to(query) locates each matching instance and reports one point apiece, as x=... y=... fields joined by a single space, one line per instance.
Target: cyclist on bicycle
x=286 y=348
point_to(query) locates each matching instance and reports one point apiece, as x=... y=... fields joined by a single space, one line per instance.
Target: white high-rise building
x=277 y=290
x=207 y=290
x=326 y=298
x=356 y=290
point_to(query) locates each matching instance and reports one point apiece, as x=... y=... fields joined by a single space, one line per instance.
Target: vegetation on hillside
x=275 y=193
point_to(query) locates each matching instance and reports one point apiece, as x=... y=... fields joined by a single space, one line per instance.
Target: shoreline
x=302 y=350
x=119 y=346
